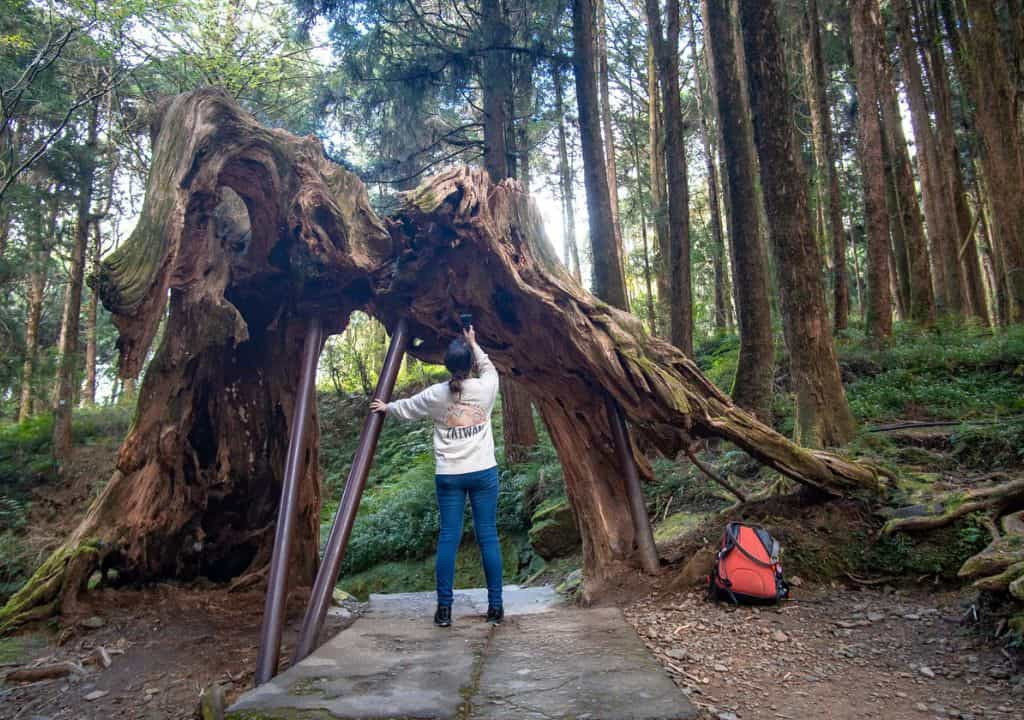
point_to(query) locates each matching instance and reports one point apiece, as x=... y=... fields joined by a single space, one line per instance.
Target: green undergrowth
x=26 y=464
x=418 y=575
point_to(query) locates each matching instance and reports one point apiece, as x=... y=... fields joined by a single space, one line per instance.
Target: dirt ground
x=832 y=652
x=165 y=644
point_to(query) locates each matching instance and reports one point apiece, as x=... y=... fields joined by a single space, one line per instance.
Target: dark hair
x=459 y=361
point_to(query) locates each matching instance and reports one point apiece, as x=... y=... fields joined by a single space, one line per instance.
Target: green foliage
x=940 y=552
x=986 y=446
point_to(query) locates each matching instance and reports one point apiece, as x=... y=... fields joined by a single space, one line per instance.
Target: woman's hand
x=470 y=335
x=378 y=406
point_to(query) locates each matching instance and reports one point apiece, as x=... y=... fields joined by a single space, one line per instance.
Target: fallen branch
x=45 y=672
x=712 y=474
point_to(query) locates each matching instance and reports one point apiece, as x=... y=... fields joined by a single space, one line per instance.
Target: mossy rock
x=553 y=531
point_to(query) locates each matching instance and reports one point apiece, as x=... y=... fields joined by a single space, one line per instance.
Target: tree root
x=44 y=593
x=958 y=504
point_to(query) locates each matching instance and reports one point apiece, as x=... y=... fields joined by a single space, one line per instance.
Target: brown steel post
x=637 y=506
x=337 y=542
x=273 y=613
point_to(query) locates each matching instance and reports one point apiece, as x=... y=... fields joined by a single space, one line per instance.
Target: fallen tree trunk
x=253 y=231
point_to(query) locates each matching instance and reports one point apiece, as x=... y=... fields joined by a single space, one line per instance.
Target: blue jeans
x=482 y=488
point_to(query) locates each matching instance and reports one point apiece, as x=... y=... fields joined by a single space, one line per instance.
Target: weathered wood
x=957 y=504
x=198 y=478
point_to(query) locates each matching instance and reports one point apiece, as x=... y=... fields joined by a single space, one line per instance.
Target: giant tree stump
x=251 y=231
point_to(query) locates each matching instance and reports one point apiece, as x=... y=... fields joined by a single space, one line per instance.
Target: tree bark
x=68 y=351
x=752 y=388
x=824 y=153
x=92 y=311
x=899 y=271
x=914 y=261
x=572 y=260
x=607 y=133
x=666 y=55
x=822 y=414
x=197 y=480
x=997 y=122
x=609 y=283
x=938 y=202
x=36 y=288
x=714 y=206
x=866 y=25
x=659 y=191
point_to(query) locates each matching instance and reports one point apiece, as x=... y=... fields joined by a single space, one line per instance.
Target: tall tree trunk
x=913 y=263
x=752 y=388
x=988 y=83
x=89 y=391
x=607 y=132
x=666 y=55
x=824 y=153
x=198 y=478
x=898 y=264
x=609 y=283
x=939 y=209
x=36 y=288
x=639 y=206
x=572 y=260
x=707 y=138
x=68 y=351
x=865 y=22
x=822 y=416
x=519 y=432
x=659 y=189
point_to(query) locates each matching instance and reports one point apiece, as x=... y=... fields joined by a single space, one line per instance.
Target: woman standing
x=464 y=455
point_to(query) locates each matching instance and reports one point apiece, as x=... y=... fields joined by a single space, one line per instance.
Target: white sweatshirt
x=463 y=441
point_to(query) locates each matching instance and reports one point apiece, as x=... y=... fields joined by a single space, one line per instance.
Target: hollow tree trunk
x=823 y=415
x=752 y=388
x=197 y=480
x=865 y=22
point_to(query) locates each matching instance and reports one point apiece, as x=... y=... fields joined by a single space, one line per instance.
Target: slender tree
x=565 y=178
x=825 y=158
x=607 y=128
x=865 y=22
x=752 y=388
x=666 y=55
x=659 y=189
x=1002 y=157
x=822 y=415
x=609 y=283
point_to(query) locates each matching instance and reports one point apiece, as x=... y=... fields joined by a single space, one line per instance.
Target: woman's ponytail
x=459 y=361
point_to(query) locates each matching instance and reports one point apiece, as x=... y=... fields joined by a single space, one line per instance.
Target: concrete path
x=546 y=661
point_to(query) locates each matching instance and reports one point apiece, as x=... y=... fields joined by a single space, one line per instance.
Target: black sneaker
x=495 y=615
x=443 y=616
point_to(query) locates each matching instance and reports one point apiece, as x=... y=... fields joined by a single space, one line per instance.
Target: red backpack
x=747 y=567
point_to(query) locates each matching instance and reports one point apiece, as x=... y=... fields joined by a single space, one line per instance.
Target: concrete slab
x=378 y=668
x=574 y=664
x=547 y=661
x=516 y=600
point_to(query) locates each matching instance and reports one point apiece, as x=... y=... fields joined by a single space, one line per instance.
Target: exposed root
x=44 y=593
x=955 y=505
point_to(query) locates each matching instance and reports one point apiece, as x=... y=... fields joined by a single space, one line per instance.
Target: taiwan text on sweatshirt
x=463 y=441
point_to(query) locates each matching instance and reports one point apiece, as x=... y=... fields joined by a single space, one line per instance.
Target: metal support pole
x=337 y=542
x=637 y=506
x=273 y=613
